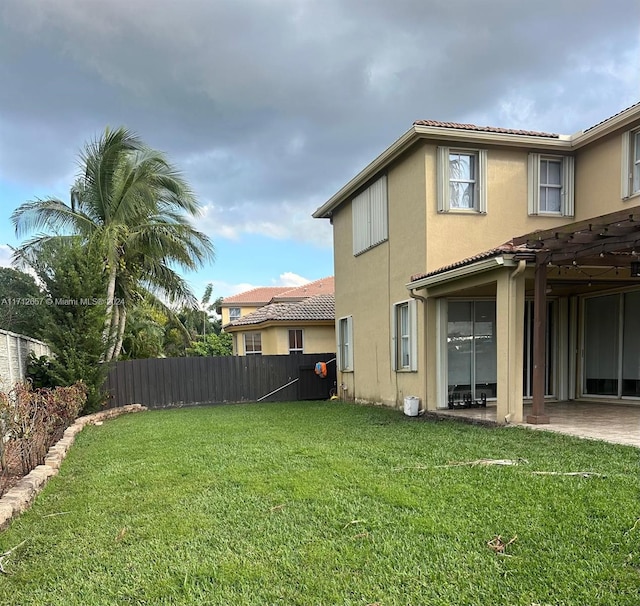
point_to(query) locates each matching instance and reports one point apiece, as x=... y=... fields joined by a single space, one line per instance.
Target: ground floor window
x=253 y=343
x=471 y=350
x=295 y=341
x=612 y=345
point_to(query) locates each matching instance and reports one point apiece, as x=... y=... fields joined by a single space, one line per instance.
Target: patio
x=617 y=423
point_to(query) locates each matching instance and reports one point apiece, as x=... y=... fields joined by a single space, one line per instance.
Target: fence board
x=166 y=382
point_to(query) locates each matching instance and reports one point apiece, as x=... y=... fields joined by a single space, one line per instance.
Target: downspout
x=413 y=295
x=522 y=264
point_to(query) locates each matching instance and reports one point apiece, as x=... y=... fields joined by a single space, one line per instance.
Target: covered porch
x=616 y=423
x=550 y=316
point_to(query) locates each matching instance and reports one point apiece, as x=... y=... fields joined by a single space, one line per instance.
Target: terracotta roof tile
x=261 y=295
x=318 y=307
x=485 y=129
x=635 y=105
x=504 y=249
x=321 y=286
x=267 y=294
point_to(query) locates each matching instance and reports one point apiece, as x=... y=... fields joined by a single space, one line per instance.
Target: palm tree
x=131 y=208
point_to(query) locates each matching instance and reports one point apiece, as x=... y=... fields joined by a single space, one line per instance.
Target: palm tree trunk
x=113 y=331
x=122 y=322
x=107 y=332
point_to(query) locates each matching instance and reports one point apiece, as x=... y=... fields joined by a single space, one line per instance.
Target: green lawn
x=326 y=503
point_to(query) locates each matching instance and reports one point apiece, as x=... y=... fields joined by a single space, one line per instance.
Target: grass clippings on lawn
x=327 y=503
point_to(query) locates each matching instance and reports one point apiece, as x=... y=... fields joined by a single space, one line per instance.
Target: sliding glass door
x=471 y=349
x=612 y=345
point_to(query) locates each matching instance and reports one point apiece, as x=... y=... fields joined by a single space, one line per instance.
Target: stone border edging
x=20 y=497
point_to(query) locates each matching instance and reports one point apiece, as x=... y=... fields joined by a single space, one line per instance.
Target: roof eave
x=621 y=120
x=417 y=132
x=456 y=273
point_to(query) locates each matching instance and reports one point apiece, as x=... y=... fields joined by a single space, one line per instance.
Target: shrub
x=32 y=420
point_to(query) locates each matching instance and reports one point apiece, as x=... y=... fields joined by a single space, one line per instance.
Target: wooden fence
x=170 y=382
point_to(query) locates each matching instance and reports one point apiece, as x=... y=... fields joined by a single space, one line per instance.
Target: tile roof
x=267 y=294
x=260 y=295
x=321 y=286
x=316 y=308
x=484 y=129
x=508 y=248
x=626 y=109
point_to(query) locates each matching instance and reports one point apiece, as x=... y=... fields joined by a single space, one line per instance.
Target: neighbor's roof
x=319 y=287
x=316 y=308
x=270 y=294
x=261 y=295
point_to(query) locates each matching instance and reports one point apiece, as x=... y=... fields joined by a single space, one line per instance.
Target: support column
x=538 y=415
x=510 y=345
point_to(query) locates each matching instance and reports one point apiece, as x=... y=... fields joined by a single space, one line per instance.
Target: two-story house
x=282 y=320
x=479 y=264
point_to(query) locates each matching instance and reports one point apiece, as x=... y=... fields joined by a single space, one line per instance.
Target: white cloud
x=288 y=278
x=5 y=255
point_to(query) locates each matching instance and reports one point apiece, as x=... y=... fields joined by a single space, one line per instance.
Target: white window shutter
x=482 y=182
x=533 y=183
x=625 y=166
x=360 y=220
x=378 y=209
x=442 y=178
x=413 y=334
x=350 y=337
x=568 y=177
x=338 y=345
x=394 y=337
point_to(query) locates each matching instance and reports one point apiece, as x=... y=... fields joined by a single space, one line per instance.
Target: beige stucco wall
x=244 y=310
x=598 y=178
x=453 y=236
x=275 y=339
x=368 y=285
x=421 y=239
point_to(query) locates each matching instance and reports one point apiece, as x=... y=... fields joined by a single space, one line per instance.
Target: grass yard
x=326 y=503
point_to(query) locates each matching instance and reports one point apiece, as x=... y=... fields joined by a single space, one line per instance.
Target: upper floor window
x=345 y=343
x=369 y=214
x=462 y=180
x=234 y=313
x=295 y=341
x=551 y=185
x=404 y=334
x=252 y=343
x=630 y=164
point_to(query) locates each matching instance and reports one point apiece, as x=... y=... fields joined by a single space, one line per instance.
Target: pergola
x=611 y=240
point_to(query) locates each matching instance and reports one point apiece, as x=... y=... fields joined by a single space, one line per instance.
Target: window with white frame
x=404 y=341
x=295 y=341
x=345 y=343
x=630 y=164
x=551 y=185
x=234 y=313
x=252 y=344
x=369 y=217
x=462 y=180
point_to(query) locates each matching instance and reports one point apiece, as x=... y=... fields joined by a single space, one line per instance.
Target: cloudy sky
x=270 y=106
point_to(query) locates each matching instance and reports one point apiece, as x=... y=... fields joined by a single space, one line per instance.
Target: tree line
x=104 y=281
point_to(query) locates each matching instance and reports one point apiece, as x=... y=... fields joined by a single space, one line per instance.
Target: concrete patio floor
x=617 y=423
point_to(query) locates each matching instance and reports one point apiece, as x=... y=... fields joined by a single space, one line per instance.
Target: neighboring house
x=294 y=320
x=456 y=238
